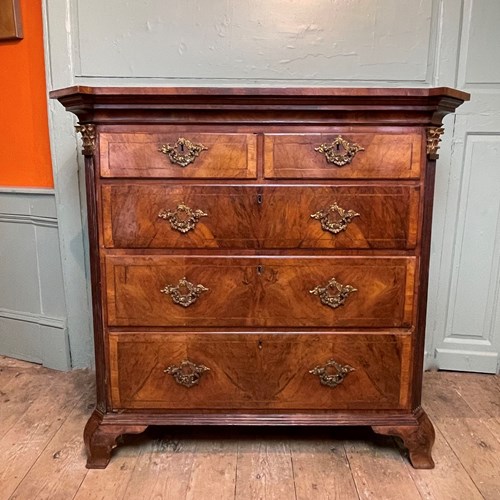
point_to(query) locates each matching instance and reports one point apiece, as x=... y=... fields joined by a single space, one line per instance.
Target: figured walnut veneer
x=260 y=291
x=388 y=216
x=237 y=363
x=227 y=287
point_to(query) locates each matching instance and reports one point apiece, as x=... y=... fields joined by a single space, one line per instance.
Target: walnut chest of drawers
x=259 y=256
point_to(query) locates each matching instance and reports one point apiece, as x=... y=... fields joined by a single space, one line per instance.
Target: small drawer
x=201 y=291
x=259 y=371
x=182 y=154
x=159 y=216
x=343 y=155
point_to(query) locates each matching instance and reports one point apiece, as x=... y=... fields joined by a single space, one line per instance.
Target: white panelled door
x=464 y=322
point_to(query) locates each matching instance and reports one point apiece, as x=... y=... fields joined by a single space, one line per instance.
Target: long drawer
x=196 y=291
x=182 y=154
x=259 y=371
x=142 y=215
x=344 y=154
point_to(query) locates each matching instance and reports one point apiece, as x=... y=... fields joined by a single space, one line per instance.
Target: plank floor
x=43 y=412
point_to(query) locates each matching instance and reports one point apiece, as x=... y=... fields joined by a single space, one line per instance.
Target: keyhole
x=260 y=344
x=338 y=147
x=259 y=199
x=182 y=148
x=260 y=269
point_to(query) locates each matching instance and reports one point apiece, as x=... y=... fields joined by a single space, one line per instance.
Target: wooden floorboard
x=264 y=467
x=378 y=468
x=320 y=466
x=58 y=471
x=42 y=414
x=165 y=467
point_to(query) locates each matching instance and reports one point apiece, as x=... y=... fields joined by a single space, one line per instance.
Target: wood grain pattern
x=265 y=470
x=259 y=254
x=164 y=470
x=384 y=156
x=321 y=469
x=178 y=462
x=343 y=94
x=378 y=470
x=136 y=155
x=58 y=471
x=260 y=291
x=260 y=216
x=464 y=426
x=100 y=439
x=18 y=392
x=418 y=439
x=273 y=106
x=259 y=371
x=130 y=213
x=39 y=423
x=449 y=478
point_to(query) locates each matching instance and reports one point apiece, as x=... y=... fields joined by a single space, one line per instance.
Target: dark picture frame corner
x=11 y=27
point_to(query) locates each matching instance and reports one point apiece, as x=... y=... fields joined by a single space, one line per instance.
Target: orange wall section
x=24 y=136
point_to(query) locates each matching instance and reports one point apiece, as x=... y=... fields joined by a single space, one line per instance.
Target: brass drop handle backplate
x=184 y=293
x=183 y=218
x=187 y=373
x=335 y=219
x=183 y=152
x=340 y=152
x=331 y=373
x=339 y=295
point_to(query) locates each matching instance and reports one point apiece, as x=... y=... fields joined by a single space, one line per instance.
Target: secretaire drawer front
x=260 y=291
x=181 y=155
x=282 y=371
x=341 y=155
x=159 y=216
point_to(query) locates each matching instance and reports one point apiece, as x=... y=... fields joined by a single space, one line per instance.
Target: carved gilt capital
x=433 y=139
x=88 y=138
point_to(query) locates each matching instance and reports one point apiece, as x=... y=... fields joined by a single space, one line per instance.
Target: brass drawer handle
x=183 y=152
x=340 y=152
x=335 y=219
x=331 y=373
x=183 y=218
x=338 y=298
x=184 y=293
x=187 y=373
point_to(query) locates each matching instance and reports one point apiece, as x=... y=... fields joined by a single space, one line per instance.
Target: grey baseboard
x=467 y=361
x=34 y=337
x=33 y=324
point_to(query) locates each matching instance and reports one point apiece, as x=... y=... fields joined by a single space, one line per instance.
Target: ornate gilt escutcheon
x=340 y=152
x=187 y=373
x=183 y=152
x=184 y=293
x=88 y=138
x=338 y=298
x=335 y=219
x=183 y=218
x=331 y=373
x=433 y=139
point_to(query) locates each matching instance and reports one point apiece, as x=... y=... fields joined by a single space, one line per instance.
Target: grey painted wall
x=32 y=304
x=319 y=42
